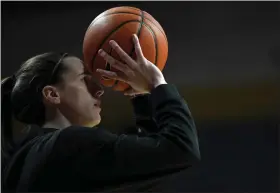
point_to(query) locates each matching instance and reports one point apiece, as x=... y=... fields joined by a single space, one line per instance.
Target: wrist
x=158 y=83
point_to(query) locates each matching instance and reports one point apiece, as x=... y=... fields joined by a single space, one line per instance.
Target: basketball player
x=71 y=153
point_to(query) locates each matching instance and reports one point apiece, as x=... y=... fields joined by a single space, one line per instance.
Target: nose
x=99 y=93
x=96 y=89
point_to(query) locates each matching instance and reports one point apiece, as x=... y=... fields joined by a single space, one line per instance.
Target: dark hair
x=22 y=94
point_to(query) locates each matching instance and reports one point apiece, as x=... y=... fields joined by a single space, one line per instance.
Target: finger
x=123 y=55
x=138 y=49
x=115 y=63
x=111 y=75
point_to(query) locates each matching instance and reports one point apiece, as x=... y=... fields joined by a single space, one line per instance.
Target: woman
x=71 y=153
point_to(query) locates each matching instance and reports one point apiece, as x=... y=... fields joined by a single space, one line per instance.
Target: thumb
x=130 y=92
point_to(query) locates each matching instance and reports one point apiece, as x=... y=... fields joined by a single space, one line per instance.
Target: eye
x=85 y=77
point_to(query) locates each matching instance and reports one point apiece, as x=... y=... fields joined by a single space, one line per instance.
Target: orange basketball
x=119 y=24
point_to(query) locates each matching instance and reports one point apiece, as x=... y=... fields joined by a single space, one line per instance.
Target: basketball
x=119 y=24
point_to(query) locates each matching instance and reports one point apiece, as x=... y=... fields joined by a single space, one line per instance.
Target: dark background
x=224 y=59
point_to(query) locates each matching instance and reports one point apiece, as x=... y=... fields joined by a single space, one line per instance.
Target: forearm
x=174 y=146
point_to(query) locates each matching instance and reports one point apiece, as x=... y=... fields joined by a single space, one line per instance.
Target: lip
x=97 y=104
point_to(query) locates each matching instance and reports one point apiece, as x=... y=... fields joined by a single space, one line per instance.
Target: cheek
x=77 y=98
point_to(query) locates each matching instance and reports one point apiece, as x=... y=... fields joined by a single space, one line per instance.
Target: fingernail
x=134 y=37
x=112 y=43
x=101 y=52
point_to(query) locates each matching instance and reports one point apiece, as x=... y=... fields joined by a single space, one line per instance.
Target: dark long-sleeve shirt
x=93 y=159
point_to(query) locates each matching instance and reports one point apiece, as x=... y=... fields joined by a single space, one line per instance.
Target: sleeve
x=174 y=147
x=144 y=119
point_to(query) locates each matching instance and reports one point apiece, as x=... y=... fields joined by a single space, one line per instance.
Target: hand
x=140 y=74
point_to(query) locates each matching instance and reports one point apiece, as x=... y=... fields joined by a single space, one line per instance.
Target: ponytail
x=7 y=142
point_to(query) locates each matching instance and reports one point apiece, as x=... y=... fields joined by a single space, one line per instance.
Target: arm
x=176 y=143
x=174 y=147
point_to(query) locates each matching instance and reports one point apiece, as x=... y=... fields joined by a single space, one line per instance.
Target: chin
x=94 y=122
x=97 y=122
x=91 y=124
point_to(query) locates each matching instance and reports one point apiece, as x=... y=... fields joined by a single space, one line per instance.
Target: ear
x=51 y=95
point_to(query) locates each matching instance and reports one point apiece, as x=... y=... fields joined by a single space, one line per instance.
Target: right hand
x=140 y=74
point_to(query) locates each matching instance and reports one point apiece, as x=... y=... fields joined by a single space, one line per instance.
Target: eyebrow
x=85 y=72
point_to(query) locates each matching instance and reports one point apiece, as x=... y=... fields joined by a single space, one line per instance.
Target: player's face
x=80 y=95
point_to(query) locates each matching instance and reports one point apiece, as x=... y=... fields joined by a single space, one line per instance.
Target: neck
x=55 y=125
x=57 y=121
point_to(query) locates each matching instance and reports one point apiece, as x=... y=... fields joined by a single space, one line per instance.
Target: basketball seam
x=115 y=13
x=140 y=27
x=157 y=28
x=105 y=39
x=155 y=41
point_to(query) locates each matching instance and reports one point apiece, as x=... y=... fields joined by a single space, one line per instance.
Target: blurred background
x=224 y=57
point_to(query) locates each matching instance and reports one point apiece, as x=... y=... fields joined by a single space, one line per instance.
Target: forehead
x=74 y=65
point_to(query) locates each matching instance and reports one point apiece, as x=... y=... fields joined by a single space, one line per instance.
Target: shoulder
x=78 y=133
x=77 y=138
